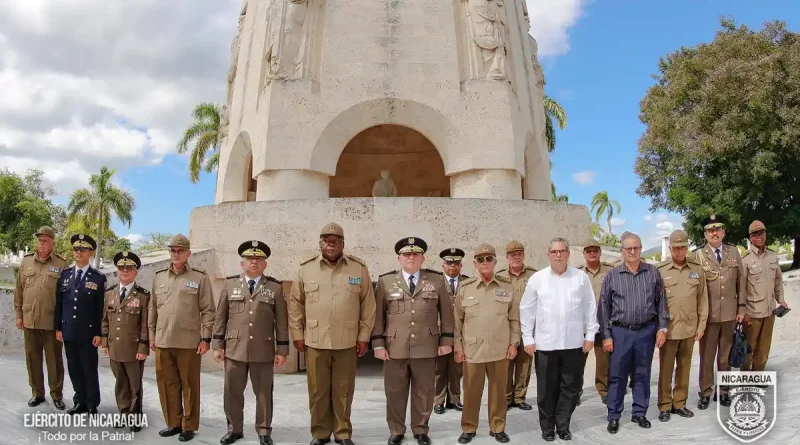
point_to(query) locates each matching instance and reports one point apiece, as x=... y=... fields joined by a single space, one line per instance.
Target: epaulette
x=273 y=279
x=581 y=267
x=356 y=259
x=463 y=277
x=162 y=270
x=142 y=290
x=606 y=263
x=747 y=253
x=467 y=281
x=232 y=277
x=31 y=254
x=387 y=273
x=663 y=263
x=111 y=287
x=197 y=269
x=530 y=268
x=433 y=271
x=309 y=260
x=689 y=259
x=767 y=249
x=503 y=279
x=501 y=270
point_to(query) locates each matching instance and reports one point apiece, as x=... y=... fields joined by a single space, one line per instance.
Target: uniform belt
x=634 y=327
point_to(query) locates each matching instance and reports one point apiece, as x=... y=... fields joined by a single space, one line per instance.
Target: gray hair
x=628 y=235
x=558 y=239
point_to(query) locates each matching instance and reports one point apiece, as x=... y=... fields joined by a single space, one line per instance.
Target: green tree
x=553 y=111
x=157 y=241
x=122 y=244
x=558 y=197
x=723 y=132
x=609 y=239
x=24 y=207
x=596 y=230
x=100 y=202
x=205 y=132
x=603 y=205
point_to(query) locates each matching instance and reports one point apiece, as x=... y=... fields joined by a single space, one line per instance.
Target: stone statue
x=289 y=29
x=537 y=67
x=487 y=31
x=384 y=187
x=224 y=121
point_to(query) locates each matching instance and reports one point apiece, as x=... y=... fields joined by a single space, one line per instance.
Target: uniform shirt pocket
x=29 y=276
x=430 y=301
x=311 y=291
x=395 y=302
x=471 y=307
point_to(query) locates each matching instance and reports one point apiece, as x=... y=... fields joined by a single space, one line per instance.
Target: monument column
x=276 y=185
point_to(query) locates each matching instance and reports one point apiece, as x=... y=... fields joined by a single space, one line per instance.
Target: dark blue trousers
x=82 y=366
x=633 y=355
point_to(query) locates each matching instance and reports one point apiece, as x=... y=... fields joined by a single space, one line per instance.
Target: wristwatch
x=664 y=330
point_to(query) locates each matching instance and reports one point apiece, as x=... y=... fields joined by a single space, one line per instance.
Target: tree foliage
x=205 y=132
x=554 y=114
x=24 y=207
x=723 y=132
x=603 y=205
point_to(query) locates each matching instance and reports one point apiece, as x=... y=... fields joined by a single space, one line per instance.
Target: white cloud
x=617 y=222
x=585 y=177
x=648 y=218
x=136 y=239
x=550 y=21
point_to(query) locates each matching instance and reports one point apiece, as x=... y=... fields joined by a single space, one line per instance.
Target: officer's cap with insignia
x=410 y=245
x=591 y=243
x=47 y=231
x=79 y=240
x=126 y=258
x=514 y=246
x=332 y=229
x=756 y=226
x=180 y=240
x=484 y=249
x=678 y=238
x=255 y=249
x=452 y=254
x=713 y=221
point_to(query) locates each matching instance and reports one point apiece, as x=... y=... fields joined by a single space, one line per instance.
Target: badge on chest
x=91 y=285
x=354 y=280
x=192 y=285
x=236 y=294
x=54 y=269
x=134 y=303
x=501 y=293
x=429 y=287
x=694 y=275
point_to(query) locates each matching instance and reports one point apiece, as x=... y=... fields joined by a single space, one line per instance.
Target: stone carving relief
x=226 y=107
x=486 y=28
x=384 y=187
x=291 y=26
x=537 y=67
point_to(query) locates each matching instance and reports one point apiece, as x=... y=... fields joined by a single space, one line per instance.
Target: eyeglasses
x=482 y=259
x=559 y=252
x=590 y=250
x=759 y=233
x=631 y=250
x=177 y=251
x=126 y=268
x=80 y=249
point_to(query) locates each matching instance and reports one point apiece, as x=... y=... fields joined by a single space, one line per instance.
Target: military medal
x=54 y=269
x=501 y=293
x=134 y=303
x=91 y=285
x=428 y=288
x=192 y=285
x=694 y=275
x=355 y=280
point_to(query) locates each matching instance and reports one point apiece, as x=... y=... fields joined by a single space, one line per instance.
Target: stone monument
x=384 y=187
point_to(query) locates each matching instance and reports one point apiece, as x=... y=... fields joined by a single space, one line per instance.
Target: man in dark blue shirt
x=633 y=320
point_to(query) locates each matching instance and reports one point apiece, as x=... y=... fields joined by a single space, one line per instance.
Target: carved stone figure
x=537 y=67
x=487 y=31
x=289 y=30
x=224 y=121
x=384 y=187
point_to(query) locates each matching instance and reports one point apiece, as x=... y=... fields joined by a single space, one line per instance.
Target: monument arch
x=238 y=183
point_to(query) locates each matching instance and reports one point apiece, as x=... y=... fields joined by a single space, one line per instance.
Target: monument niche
x=324 y=95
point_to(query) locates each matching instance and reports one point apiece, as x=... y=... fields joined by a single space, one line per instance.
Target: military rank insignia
x=66 y=282
x=192 y=285
x=134 y=303
x=428 y=288
x=355 y=280
x=731 y=262
x=501 y=293
x=91 y=285
x=694 y=275
x=54 y=269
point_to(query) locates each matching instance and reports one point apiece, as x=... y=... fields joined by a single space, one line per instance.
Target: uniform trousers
x=261 y=378
x=601 y=367
x=474 y=377
x=759 y=336
x=40 y=345
x=633 y=354
x=716 y=343
x=82 y=367
x=559 y=375
x=178 y=379
x=448 y=380
x=675 y=355
x=519 y=376
x=400 y=376
x=331 y=384
x=128 y=386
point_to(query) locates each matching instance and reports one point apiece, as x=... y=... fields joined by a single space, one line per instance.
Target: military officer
x=596 y=271
x=687 y=303
x=764 y=293
x=331 y=316
x=251 y=334
x=448 y=372
x=34 y=310
x=408 y=336
x=487 y=335
x=519 y=369
x=180 y=322
x=727 y=303
x=125 y=335
x=79 y=314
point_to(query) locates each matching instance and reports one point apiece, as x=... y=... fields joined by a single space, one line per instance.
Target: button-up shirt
x=127 y=288
x=632 y=298
x=82 y=269
x=560 y=308
x=406 y=275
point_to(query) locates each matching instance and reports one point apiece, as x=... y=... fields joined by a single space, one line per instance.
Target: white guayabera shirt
x=561 y=309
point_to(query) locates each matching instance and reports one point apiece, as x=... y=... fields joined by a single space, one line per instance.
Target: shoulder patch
x=309 y=260
x=606 y=263
x=433 y=271
x=357 y=260
x=468 y=281
x=387 y=273
x=273 y=279
x=502 y=278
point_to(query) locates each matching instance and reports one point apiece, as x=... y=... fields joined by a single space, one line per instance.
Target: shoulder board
x=503 y=279
x=59 y=257
x=747 y=253
x=387 y=273
x=464 y=277
x=356 y=259
x=468 y=281
x=530 y=268
x=232 y=277
x=581 y=267
x=501 y=270
x=108 y=288
x=606 y=263
x=663 y=263
x=309 y=260
x=433 y=271
x=768 y=249
x=31 y=254
x=162 y=270
x=142 y=290
x=273 y=279
x=197 y=269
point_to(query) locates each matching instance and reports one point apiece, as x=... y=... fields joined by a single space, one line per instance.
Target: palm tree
x=205 y=131
x=99 y=202
x=556 y=197
x=553 y=110
x=595 y=230
x=601 y=204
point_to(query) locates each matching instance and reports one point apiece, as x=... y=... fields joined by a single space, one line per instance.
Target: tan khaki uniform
x=448 y=372
x=35 y=305
x=764 y=293
x=519 y=369
x=408 y=325
x=687 y=301
x=125 y=333
x=600 y=356
x=251 y=329
x=181 y=315
x=486 y=324
x=727 y=297
x=331 y=307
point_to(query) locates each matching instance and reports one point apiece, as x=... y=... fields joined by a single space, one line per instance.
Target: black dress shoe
x=501 y=437
x=525 y=407
x=231 y=438
x=565 y=435
x=35 y=401
x=168 y=432
x=59 y=404
x=136 y=429
x=683 y=412
x=186 y=436
x=320 y=441
x=549 y=436
x=703 y=403
x=396 y=439
x=465 y=437
x=344 y=441
x=265 y=440
x=725 y=400
x=663 y=416
x=578 y=403
x=604 y=399
x=641 y=421
x=93 y=410
x=456 y=406
x=512 y=405
x=438 y=409
x=422 y=439
x=79 y=408
x=613 y=426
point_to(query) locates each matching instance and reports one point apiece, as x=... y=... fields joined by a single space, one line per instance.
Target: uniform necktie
x=251 y=285
x=411 y=285
x=78 y=277
x=122 y=295
x=719 y=257
x=453 y=285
